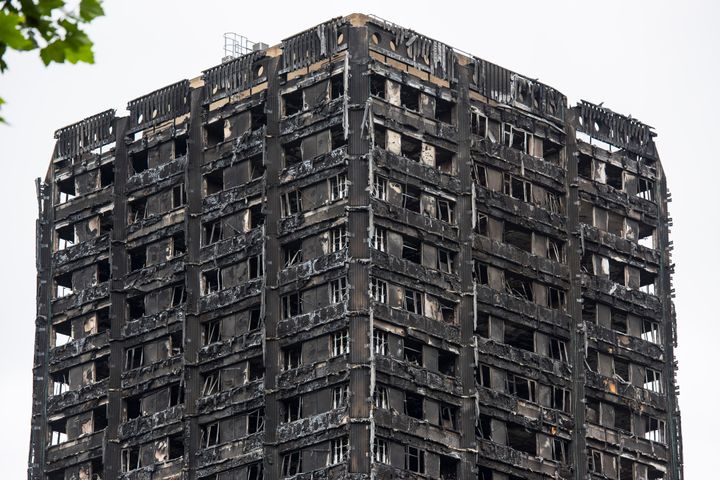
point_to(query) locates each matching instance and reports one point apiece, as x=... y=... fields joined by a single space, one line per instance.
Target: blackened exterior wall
x=358 y=254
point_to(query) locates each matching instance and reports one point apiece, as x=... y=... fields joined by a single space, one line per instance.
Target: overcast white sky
x=657 y=60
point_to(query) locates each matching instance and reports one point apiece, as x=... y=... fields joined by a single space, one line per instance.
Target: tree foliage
x=52 y=27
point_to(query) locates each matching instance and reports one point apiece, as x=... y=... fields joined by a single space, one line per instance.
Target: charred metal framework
x=357 y=254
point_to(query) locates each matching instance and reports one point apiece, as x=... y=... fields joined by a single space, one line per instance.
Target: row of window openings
x=617 y=224
x=524 y=440
x=524 y=389
x=415 y=150
x=412 y=352
x=210 y=433
x=67 y=188
x=174 y=448
x=138 y=208
x=606 y=464
x=294 y=152
x=96 y=323
x=292 y=355
x=216 y=230
x=292 y=461
x=136 y=303
x=212 y=330
x=214 y=382
x=216 y=181
x=98 y=371
x=294 y=102
x=621 y=418
x=96 y=422
x=412 y=199
x=133 y=406
x=651 y=380
x=523 y=238
x=617 y=272
x=217 y=131
x=291 y=202
x=410 y=98
x=211 y=281
x=614 y=176
x=254 y=471
x=513 y=137
x=135 y=356
x=414 y=407
x=618 y=321
x=522 y=337
x=65 y=285
x=291 y=409
x=521 y=189
x=70 y=235
x=520 y=286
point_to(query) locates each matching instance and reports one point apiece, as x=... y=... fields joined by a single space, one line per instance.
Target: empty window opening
x=558 y=350
x=106 y=223
x=380 y=451
x=517 y=188
x=446 y=210
x=443 y=110
x=585 y=166
x=448 y=468
x=58 y=431
x=130 y=459
x=132 y=407
x=626 y=469
x=63 y=285
x=257 y=217
x=338 y=187
x=338 y=290
x=650 y=331
x=518 y=237
x=211 y=383
x=483 y=427
x=291 y=305
x=617 y=271
x=178 y=244
x=379 y=239
x=646 y=236
x=255 y=319
x=482 y=324
x=480 y=273
x=339 y=449
x=256 y=266
x=255 y=369
x=413 y=301
x=292 y=253
x=377 y=85
x=519 y=286
x=413 y=351
x=555 y=250
x=257 y=167
x=292 y=409
x=180 y=146
x=551 y=151
x=177 y=394
x=447 y=362
x=292 y=152
x=621 y=369
x=623 y=418
x=520 y=336
x=654 y=473
x=411 y=198
x=592 y=360
x=212 y=232
x=410 y=148
x=215 y=133
x=481 y=225
x=258 y=118
x=415 y=460
x=337 y=137
x=60 y=382
x=560 y=450
x=209 y=435
x=65 y=237
x=646 y=189
x=482 y=376
x=561 y=399
x=556 y=298
x=337 y=86
x=444 y=160
x=138 y=258
x=447 y=310
x=586 y=212
x=291 y=203
x=134 y=358
x=107 y=174
x=179 y=197
x=380 y=342
x=340 y=396
x=616 y=224
x=614 y=176
x=137 y=210
x=213 y=182
x=291 y=464
x=653 y=381
x=139 y=161
x=414 y=405
x=338 y=238
x=211 y=281
x=480 y=175
x=515 y=138
x=618 y=321
x=63 y=333
x=103 y=271
x=211 y=332
x=179 y=295
x=522 y=439
x=412 y=249
x=380 y=399
x=380 y=188
x=66 y=190
x=378 y=290
x=292 y=102
x=256 y=421
x=136 y=307
x=292 y=357
x=410 y=97
x=521 y=387
x=654 y=429
x=647 y=282
x=478 y=123
x=340 y=343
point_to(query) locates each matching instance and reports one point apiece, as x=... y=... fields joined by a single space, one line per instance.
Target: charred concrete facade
x=357 y=254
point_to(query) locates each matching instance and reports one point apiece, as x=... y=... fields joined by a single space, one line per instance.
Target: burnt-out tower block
x=358 y=254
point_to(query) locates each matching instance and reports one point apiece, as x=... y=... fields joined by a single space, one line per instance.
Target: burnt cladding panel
x=159 y=106
x=86 y=135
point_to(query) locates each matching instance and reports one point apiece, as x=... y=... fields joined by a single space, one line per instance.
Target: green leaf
x=53 y=52
x=2 y=120
x=83 y=53
x=10 y=33
x=46 y=7
x=90 y=9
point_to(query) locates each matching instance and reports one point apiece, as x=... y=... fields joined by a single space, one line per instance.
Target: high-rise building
x=357 y=254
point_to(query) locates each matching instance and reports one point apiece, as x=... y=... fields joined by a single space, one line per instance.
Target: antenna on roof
x=237 y=45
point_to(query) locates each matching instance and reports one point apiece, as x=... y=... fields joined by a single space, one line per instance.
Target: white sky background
x=656 y=60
